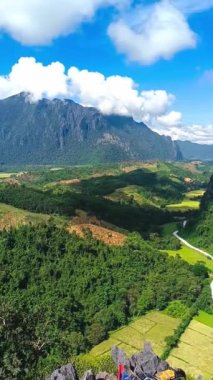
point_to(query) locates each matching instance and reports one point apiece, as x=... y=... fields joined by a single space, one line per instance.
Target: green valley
x=88 y=260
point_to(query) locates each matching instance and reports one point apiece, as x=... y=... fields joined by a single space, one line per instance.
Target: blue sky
x=152 y=60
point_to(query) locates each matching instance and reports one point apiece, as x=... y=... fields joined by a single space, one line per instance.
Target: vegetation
x=127 y=216
x=60 y=294
x=184 y=205
x=195 y=194
x=176 y=309
x=5 y=175
x=191 y=256
x=14 y=217
x=173 y=340
x=194 y=351
x=205 y=318
x=199 y=230
x=154 y=327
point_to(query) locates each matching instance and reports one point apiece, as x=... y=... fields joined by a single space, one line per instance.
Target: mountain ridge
x=62 y=131
x=195 y=151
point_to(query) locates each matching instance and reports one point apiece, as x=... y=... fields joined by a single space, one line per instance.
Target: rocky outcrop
x=145 y=365
x=66 y=372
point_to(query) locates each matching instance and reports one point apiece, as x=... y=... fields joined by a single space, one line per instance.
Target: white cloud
x=31 y=76
x=171 y=119
x=202 y=134
x=192 y=6
x=143 y=33
x=117 y=94
x=147 y=34
x=114 y=94
x=38 y=22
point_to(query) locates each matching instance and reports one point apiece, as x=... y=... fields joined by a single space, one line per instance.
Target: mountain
x=193 y=151
x=62 y=131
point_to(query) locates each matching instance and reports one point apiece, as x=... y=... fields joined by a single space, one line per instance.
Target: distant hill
x=193 y=151
x=62 y=131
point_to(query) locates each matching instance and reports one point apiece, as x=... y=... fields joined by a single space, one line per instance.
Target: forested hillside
x=60 y=294
x=200 y=230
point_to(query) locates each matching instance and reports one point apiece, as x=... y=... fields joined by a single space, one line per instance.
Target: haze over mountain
x=193 y=151
x=62 y=131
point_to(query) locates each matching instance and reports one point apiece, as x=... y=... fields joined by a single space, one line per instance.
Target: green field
x=205 y=318
x=194 y=194
x=135 y=193
x=153 y=327
x=195 y=350
x=186 y=204
x=191 y=256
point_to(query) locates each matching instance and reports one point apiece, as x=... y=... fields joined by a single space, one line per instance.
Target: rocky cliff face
x=62 y=131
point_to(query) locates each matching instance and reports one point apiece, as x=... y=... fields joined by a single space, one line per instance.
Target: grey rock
x=66 y=372
x=105 y=376
x=88 y=375
x=118 y=355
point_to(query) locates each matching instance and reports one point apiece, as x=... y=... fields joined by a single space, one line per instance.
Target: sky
x=149 y=59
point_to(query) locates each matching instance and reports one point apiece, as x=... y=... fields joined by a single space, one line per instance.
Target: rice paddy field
x=191 y=256
x=186 y=204
x=195 y=351
x=191 y=201
x=195 y=194
x=154 y=327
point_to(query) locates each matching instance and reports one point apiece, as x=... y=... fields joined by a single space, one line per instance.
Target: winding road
x=175 y=234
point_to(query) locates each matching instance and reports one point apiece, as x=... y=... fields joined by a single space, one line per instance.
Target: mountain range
x=193 y=151
x=62 y=131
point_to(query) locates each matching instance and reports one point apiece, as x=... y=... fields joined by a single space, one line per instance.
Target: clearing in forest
x=191 y=256
x=194 y=351
x=106 y=235
x=153 y=327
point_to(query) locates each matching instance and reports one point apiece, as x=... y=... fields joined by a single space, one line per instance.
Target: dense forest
x=200 y=230
x=60 y=294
